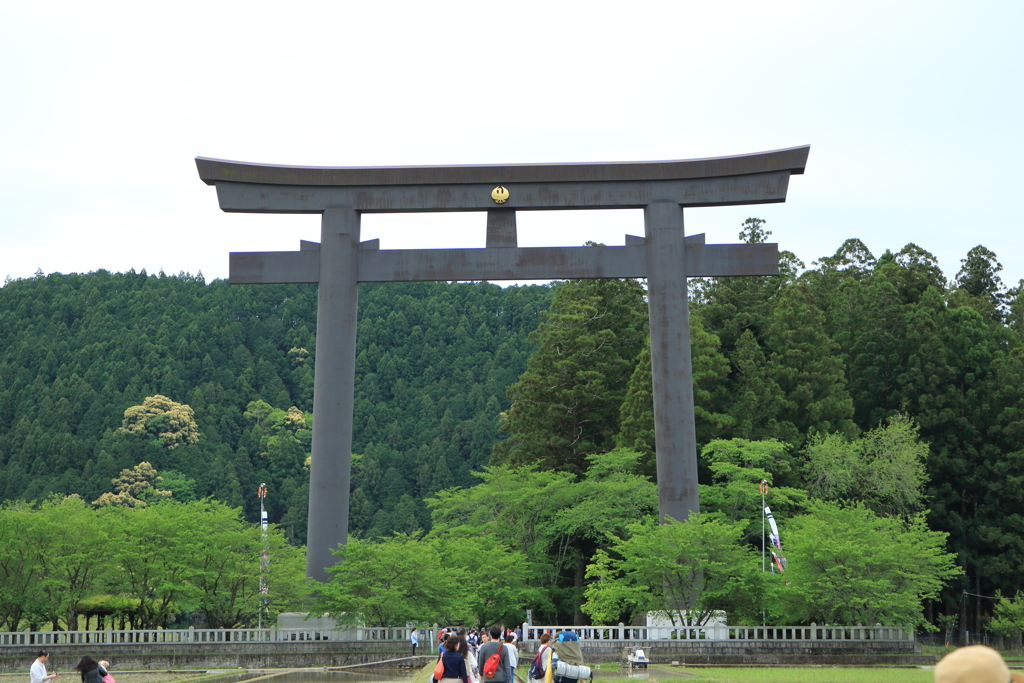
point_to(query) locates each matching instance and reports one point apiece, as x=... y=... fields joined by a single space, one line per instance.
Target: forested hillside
x=830 y=360
x=76 y=351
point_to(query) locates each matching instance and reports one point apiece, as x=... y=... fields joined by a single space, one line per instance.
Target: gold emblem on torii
x=499 y=194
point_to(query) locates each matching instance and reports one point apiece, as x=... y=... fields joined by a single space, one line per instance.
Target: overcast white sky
x=913 y=111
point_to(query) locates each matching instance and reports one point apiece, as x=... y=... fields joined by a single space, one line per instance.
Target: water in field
x=666 y=675
x=350 y=676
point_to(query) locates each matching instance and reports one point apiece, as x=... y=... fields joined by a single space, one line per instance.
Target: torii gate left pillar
x=665 y=256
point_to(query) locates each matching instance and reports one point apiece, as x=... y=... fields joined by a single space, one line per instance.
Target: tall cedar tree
x=566 y=405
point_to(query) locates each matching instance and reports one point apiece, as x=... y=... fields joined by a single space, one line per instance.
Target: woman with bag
x=452 y=663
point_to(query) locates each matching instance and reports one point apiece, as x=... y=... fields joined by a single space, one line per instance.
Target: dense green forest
x=817 y=358
x=77 y=351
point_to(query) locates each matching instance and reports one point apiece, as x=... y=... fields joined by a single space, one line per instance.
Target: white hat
x=975 y=664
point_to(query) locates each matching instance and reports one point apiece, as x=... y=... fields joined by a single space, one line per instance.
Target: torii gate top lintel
x=266 y=188
x=792 y=159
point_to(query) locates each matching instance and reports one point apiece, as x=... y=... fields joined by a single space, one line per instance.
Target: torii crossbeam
x=665 y=256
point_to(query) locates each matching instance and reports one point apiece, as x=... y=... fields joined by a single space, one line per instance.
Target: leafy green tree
x=752 y=231
x=173 y=424
x=160 y=566
x=738 y=467
x=70 y=533
x=136 y=487
x=516 y=506
x=913 y=270
x=396 y=580
x=499 y=582
x=979 y=278
x=1008 y=617
x=847 y=565
x=228 y=589
x=553 y=516
x=21 y=596
x=687 y=570
x=182 y=488
x=884 y=468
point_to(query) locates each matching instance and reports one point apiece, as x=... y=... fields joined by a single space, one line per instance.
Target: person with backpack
x=537 y=665
x=494 y=661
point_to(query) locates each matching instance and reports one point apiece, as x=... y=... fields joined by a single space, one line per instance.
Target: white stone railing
x=612 y=634
x=207 y=636
x=716 y=631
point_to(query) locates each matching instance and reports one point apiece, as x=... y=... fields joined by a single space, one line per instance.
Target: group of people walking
x=491 y=656
x=469 y=657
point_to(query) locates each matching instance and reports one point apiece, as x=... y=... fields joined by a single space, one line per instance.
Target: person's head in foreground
x=975 y=664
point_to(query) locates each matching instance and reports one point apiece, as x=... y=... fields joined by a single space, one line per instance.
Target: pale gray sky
x=912 y=109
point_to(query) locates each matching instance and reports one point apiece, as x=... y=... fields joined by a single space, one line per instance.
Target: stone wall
x=215 y=656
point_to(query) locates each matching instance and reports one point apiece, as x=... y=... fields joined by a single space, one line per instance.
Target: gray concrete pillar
x=501 y=228
x=333 y=389
x=674 y=431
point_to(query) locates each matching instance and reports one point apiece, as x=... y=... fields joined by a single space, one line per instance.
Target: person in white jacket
x=37 y=674
x=513 y=653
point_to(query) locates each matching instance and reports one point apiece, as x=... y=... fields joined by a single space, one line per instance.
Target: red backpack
x=493 y=662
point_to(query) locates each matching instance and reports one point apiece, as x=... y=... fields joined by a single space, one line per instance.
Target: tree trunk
x=963 y=620
x=578 y=618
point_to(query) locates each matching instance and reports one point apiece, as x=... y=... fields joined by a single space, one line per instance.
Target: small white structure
x=716 y=627
x=662 y=620
x=321 y=624
x=299 y=620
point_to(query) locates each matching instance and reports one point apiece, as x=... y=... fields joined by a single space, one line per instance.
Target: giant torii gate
x=341 y=261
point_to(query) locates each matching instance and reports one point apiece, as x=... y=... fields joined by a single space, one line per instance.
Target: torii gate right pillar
x=671 y=363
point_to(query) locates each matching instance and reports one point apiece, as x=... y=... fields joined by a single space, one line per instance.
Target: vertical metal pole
x=764 y=617
x=333 y=388
x=261 y=493
x=674 y=431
